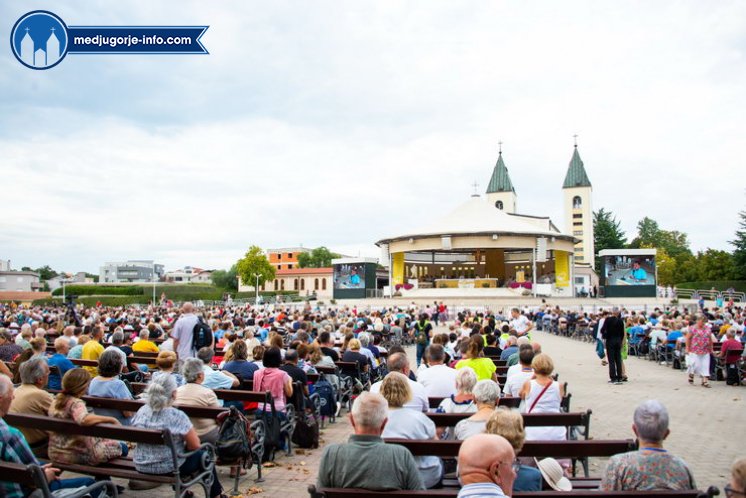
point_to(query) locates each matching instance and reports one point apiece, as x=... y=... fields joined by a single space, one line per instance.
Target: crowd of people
x=276 y=347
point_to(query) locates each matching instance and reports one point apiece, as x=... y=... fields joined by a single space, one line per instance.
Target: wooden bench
x=122 y=467
x=507 y=401
x=581 y=419
x=574 y=449
x=453 y=492
x=84 y=363
x=32 y=477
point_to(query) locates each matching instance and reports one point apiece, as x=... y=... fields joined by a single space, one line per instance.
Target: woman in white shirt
x=407 y=423
x=542 y=394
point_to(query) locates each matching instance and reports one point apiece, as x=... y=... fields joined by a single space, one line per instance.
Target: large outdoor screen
x=349 y=276
x=629 y=270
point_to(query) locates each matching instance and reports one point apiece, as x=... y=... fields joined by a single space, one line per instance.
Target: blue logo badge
x=39 y=40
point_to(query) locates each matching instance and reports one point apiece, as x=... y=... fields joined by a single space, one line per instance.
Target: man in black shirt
x=325 y=341
x=297 y=374
x=613 y=334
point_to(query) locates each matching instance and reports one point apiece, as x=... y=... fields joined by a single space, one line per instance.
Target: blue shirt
x=481 y=490
x=673 y=335
x=528 y=479
x=241 y=368
x=114 y=388
x=63 y=364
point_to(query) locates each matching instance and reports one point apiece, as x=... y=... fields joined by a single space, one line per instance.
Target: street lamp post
x=256 y=290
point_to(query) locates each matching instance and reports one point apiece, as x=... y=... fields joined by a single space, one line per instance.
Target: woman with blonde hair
x=542 y=394
x=509 y=424
x=68 y=405
x=166 y=361
x=406 y=423
x=737 y=485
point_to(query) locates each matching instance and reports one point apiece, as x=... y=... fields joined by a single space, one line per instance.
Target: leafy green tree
x=687 y=269
x=650 y=234
x=739 y=254
x=227 y=279
x=607 y=233
x=254 y=263
x=321 y=257
x=714 y=264
x=45 y=272
x=666 y=267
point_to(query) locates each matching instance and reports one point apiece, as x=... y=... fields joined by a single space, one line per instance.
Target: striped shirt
x=481 y=490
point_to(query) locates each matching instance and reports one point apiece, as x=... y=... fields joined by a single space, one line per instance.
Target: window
x=295 y=284
x=315 y=284
x=499 y=205
x=577 y=223
x=302 y=283
x=290 y=267
x=290 y=255
x=577 y=215
x=323 y=284
x=282 y=284
x=577 y=232
x=577 y=202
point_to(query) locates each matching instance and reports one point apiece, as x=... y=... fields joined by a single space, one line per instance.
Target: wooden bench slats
x=361 y=493
x=507 y=401
x=554 y=449
x=529 y=419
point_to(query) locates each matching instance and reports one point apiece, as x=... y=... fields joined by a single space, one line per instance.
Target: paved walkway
x=707 y=425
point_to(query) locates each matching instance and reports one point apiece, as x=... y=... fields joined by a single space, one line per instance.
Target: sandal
x=705 y=384
x=691 y=379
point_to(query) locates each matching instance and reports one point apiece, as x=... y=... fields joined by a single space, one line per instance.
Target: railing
x=711 y=295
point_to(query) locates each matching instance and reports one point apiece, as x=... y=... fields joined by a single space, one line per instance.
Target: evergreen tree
x=607 y=233
x=739 y=254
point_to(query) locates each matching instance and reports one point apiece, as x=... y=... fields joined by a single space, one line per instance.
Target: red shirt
x=732 y=350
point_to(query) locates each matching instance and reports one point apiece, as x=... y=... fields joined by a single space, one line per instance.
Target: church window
x=578 y=215
x=499 y=205
x=577 y=202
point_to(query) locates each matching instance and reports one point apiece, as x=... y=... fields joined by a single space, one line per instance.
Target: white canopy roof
x=479 y=216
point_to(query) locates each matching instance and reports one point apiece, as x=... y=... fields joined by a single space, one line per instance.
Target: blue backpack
x=326 y=395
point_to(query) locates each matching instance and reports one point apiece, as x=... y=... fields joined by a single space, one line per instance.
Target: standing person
x=422 y=330
x=520 y=323
x=698 y=350
x=613 y=334
x=183 y=332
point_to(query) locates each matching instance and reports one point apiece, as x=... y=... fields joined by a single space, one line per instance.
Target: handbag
x=234 y=443
x=272 y=427
x=306 y=432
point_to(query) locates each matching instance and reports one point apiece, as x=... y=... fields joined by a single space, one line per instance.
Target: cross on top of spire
x=500 y=145
x=575 y=138
x=475 y=185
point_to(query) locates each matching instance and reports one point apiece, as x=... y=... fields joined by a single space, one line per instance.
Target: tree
x=321 y=257
x=45 y=272
x=650 y=234
x=607 y=233
x=739 y=254
x=254 y=263
x=714 y=264
x=227 y=279
x=667 y=267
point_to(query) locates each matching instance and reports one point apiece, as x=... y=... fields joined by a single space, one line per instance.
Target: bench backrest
x=529 y=419
x=453 y=492
x=506 y=401
x=122 y=433
x=130 y=405
x=542 y=449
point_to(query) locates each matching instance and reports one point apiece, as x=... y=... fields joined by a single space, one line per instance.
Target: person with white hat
x=553 y=474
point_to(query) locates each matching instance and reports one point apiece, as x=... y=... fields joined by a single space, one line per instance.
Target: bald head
x=487 y=458
x=536 y=346
x=187 y=307
x=398 y=362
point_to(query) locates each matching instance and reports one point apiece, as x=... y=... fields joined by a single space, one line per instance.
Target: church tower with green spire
x=500 y=191
x=578 y=192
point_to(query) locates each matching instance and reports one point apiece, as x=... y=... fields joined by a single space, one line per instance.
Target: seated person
x=353 y=355
x=737 y=484
x=542 y=394
x=239 y=365
x=159 y=414
x=166 y=362
x=492 y=349
x=107 y=384
x=71 y=448
x=271 y=378
x=486 y=394
x=398 y=362
x=196 y=394
x=520 y=373
x=486 y=467
x=410 y=424
x=438 y=378
x=16 y=450
x=59 y=360
x=366 y=461
x=471 y=350
x=215 y=379
x=651 y=467
x=31 y=399
x=8 y=349
x=463 y=400
x=509 y=424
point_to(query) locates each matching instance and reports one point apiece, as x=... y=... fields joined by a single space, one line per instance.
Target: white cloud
x=344 y=123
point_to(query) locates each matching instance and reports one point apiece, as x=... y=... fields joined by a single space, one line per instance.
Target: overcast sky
x=340 y=123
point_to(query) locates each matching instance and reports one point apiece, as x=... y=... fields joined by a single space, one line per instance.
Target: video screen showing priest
x=626 y=270
x=349 y=276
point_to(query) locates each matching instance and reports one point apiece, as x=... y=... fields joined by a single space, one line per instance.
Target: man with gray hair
x=398 y=362
x=366 y=461
x=215 y=379
x=651 y=467
x=32 y=399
